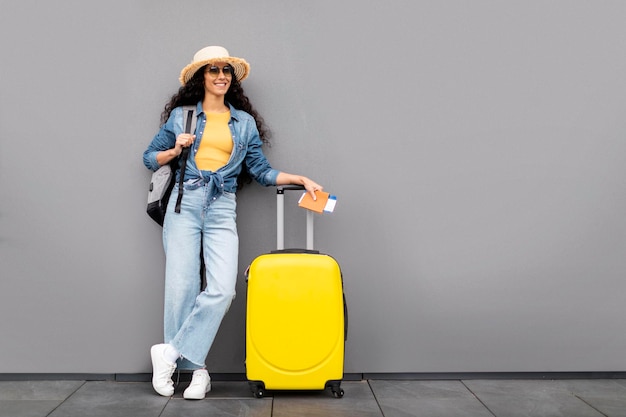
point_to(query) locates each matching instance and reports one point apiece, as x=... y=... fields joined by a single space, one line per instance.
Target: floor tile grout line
x=165 y=406
x=585 y=402
x=478 y=398
x=66 y=398
x=369 y=384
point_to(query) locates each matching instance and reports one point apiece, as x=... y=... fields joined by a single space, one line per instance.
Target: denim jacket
x=246 y=150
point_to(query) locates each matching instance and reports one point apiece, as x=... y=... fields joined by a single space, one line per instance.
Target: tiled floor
x=372 y=398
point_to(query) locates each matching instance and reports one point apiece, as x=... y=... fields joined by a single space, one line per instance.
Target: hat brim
x=241 y=67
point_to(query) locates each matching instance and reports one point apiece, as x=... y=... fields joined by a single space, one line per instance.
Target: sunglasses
x=214 y=70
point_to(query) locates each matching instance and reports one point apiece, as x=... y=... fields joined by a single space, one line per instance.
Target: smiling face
x=217 y=78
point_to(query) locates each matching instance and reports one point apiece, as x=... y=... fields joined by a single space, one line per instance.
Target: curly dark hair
x=193 y=91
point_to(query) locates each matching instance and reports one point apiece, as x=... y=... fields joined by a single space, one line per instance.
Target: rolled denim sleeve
x=256 y=162
x=164 y=139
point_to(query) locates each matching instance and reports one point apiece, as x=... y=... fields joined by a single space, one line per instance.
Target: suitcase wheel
x=335 y=388
x=258 y=389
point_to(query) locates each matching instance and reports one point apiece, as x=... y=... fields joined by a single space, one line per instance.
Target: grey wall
x=476 y=148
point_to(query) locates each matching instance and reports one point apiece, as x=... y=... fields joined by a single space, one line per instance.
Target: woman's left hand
x=310 y=185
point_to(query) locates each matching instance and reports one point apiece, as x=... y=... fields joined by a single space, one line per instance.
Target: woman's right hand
x=183 y=140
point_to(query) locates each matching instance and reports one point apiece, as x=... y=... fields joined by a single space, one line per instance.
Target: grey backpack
x=164 y=178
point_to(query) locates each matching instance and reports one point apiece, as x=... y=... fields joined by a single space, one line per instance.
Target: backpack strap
x=189 y=121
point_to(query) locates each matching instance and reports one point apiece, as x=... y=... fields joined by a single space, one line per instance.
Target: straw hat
x=212 y=54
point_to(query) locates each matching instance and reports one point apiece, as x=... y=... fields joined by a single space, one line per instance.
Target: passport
x=324 y=203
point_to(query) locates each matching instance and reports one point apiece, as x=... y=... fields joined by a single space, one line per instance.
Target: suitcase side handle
x=280 y=218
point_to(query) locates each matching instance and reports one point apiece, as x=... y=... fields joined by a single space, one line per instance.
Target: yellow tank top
x=216 y=143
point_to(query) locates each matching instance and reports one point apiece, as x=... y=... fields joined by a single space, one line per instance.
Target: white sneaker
x=200 y=385
x=162 y=371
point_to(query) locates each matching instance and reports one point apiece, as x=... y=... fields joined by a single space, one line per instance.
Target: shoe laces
x=168 y=370
x=199 y=378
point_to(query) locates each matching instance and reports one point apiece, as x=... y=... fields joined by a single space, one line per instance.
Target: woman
x=227 y=142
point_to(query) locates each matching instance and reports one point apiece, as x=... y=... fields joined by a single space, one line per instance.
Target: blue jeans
x=192 y=314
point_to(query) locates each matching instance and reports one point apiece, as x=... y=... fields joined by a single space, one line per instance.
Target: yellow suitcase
x=296 y=321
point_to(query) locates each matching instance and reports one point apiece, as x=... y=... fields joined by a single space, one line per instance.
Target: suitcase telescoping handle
x=280 y=218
